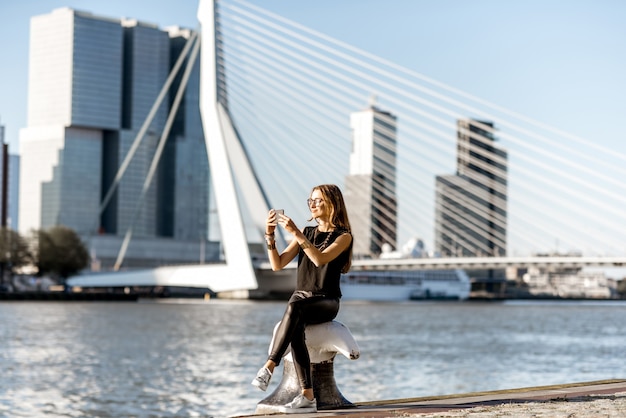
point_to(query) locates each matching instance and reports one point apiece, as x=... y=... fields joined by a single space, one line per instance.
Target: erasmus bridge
x=275 y=100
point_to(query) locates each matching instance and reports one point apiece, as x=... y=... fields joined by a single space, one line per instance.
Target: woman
x=324 y=252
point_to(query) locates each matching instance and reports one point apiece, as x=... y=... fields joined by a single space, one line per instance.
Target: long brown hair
x=338 y=214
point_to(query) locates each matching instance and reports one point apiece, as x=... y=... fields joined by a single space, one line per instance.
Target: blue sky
x=561 y=62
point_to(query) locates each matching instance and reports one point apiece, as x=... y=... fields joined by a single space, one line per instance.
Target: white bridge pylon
x=229 y=166
x=230 y=171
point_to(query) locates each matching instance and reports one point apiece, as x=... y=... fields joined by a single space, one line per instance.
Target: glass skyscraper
x=92 y=83
x=471 y=206
x=370 y=187
x=9 y=186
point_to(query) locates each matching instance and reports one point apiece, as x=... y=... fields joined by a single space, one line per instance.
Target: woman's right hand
x=271 y=222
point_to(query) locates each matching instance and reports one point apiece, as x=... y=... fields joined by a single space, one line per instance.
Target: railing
x=487 y=263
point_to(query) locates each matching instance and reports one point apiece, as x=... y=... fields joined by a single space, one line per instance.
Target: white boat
x=405 y=285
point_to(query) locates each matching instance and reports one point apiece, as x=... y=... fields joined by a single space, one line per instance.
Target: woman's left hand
x=288 y=224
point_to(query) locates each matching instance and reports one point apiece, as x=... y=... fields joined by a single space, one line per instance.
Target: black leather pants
x=302 y=310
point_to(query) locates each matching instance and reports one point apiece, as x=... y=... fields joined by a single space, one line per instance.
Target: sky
x=561 y=62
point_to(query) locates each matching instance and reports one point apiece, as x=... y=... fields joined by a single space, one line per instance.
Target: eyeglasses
x=316 y=202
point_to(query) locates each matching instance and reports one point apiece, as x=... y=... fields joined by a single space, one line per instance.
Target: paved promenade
x=605 y=398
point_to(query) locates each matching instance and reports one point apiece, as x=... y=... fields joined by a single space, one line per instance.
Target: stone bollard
x=324 y=341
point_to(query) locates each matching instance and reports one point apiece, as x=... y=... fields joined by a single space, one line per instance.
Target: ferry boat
x=405 y=285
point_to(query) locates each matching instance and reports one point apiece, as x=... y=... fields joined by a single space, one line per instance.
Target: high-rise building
x=4 y=176
x=471 y=206
x=14 y=191
x=9 y=186
x=92 y=83
x=370 y=187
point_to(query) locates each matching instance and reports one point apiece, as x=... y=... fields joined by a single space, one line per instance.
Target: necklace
x=324 y=243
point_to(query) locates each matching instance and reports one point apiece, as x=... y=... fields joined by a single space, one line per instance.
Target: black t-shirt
x=323 y=280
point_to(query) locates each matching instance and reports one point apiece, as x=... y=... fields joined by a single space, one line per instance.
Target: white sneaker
x=299 y=405
x=262 y=378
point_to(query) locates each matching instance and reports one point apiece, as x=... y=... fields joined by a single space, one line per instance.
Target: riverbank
x=605 y=398
x=586 y=400
x=589 y=406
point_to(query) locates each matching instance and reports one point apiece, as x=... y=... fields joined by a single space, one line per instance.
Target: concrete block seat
x=324 y=341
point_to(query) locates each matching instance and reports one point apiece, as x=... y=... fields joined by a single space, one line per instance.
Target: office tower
x=371 y=185
x=471 y=206
x=92 y=83
x=4 y=177
x=14 y=189
x=9 y=187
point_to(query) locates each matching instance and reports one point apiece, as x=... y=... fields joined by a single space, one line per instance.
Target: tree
x=60 y=252
x=621 y=288
x=14 y=252
x=43 y=252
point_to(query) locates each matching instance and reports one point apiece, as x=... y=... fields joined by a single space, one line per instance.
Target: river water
x=147 y=359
